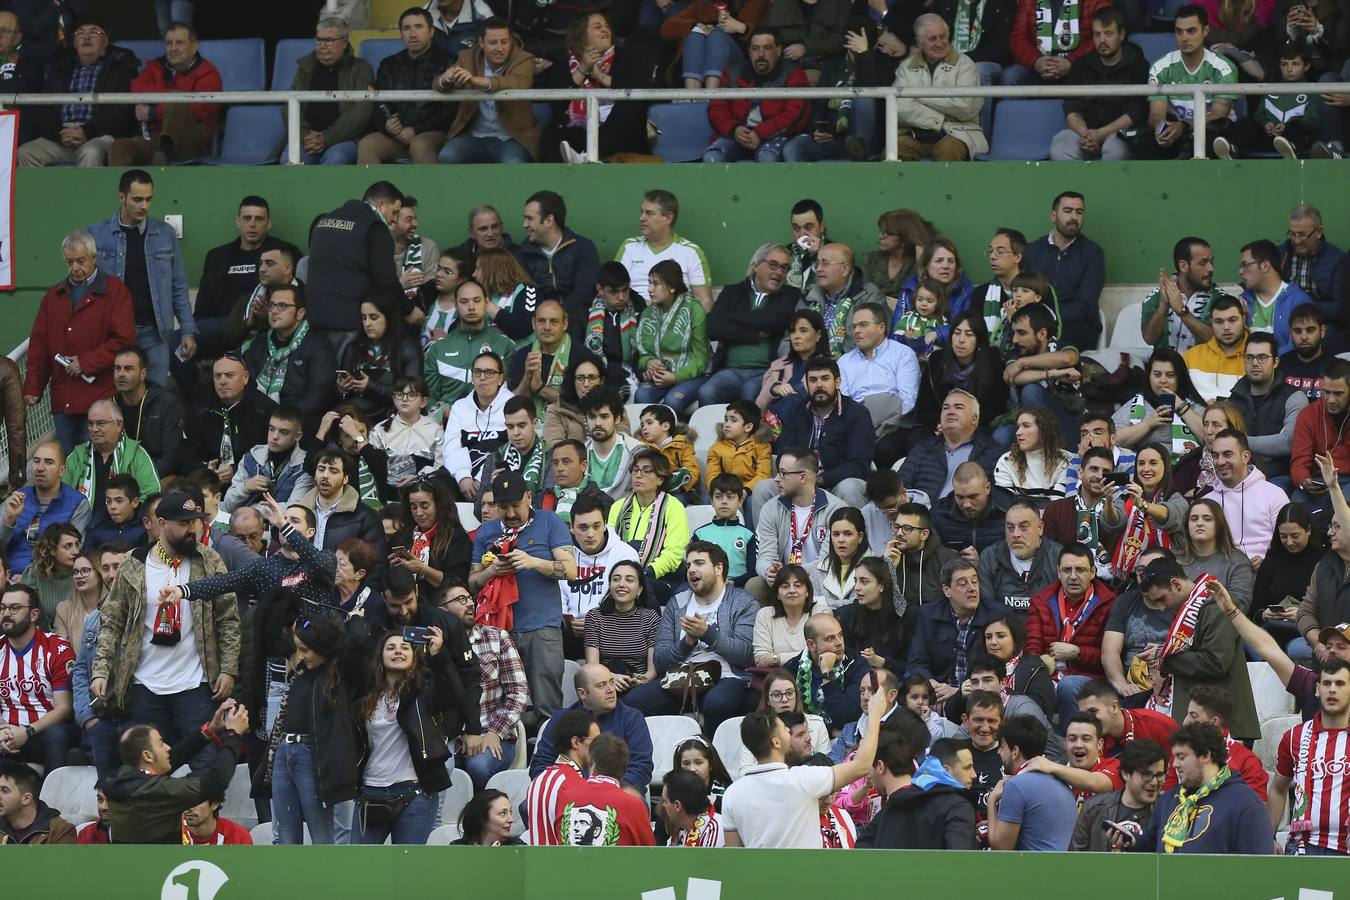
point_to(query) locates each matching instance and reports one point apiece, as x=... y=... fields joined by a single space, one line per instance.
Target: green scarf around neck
x=273 y=375
x=811 y=685
x=1178 y=827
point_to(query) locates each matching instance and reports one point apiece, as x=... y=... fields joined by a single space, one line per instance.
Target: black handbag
x=380 y=815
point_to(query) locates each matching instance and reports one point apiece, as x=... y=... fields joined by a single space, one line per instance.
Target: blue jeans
x=158 y=350
x=805 y=148
x=726 y=150
x=340 y=154
x=295 y=800
x=482 y=767
x=411 y=826
x=175 y=716
x=48 y=748
x=729 y=697
x=469 y=149
x=101 y=740
x=1319 y=503
x=677 y=397
x=708 y=55
x=70 y=430
x=726 y=385
x=1066 y=698
x=651 y=16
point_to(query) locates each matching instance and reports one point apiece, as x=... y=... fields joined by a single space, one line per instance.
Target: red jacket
x=1042 y=631
x=1316 y=432
x=1024 y=47
x=93 y=332
x=201 y=76
x=781 y=118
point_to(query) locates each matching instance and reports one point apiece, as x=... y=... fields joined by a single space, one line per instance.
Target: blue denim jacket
x=84 y=661
x=164 y=262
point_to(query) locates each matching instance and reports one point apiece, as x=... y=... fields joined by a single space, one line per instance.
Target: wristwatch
x=32 y=732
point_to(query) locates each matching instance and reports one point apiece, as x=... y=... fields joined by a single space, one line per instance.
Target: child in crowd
x=122 y=522
x=659 y=430
x=1285 y=123
x=411 y=440
x=727 y=532
x=1026 y=287
x=738 y=452
x=453 y=267
x=921 y=698
x=921 y=328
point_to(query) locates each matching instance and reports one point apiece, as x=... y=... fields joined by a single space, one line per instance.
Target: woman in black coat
x=381 y=352
x=1287 y=569
x=440 y=547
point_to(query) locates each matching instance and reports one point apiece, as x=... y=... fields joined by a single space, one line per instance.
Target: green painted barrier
x=368 y=873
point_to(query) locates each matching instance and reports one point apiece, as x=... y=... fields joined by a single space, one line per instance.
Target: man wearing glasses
x=748 y=321
x=290 y=364
x=1269 y=298
x=1143 y=766
x=794 y=526
x=1314 y=264
x=476 y=428
x=108 y=452
x=329 y=131
x=35 y=698
x=1269 y=405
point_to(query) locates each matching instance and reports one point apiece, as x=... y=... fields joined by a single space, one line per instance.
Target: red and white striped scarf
x=1180 y=637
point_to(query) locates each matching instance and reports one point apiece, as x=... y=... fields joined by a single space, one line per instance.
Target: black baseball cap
x=507 y=487
x=177 y=506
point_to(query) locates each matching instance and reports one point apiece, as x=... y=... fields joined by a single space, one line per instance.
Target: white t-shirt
x=776 y=807
x=1021 y=566
x=812 y=546
x=167 y=669
x=390 y=759
x=638 y=258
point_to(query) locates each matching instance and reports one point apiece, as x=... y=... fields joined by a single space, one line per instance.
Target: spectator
x=276 y=467
x=812 y=33
x=886 y=493
x=1210 y=654
x=1029 y=810
x=902 y=237
x=656 y=242
x=1249 y=502
x=1155 y=516
x=569 y=742
x=382 y=352
x=24 y=73
x=1268 y=298
x=1310 y=261
x=1213 y=705
x=486 y=132
x=1322 y=607
x=932 y=814
x=1268 y=405
x=54 y=556
x=458 y=24
x=835 y=428
x=1279 y=123
x=711 y=38
x=984 y=34
x=611 y=326
x=1183 y=320
x=1164 y=412
x=1121 y=727
x=1093 y=515
x=45 y=502
x=1036 y=469
x=203 y=825
x=1074 y=265
x=1007 y=248
x=982 y=720
x=1095 y=124
x=1096 y=429
x=1087 y=772
x=653 y=521
x=570 y=480
x=620 y=633
x=784 y=532
x=36 y=703
x=780 y=626
x=880 y=374
x=1316 y=433
x=597 y=695
x=1171 y=118
x=145 y=254
x=1065 y=624
x=476 y=426
x=1143 y=769
x=688 y=816
x=758 y=129
x=1320 y=828
x=807 y=339
x=967 y=364
x=941 y=266
x=1236 y=822
x=248 y=314
x=336 y=505
x=153 y=414
x=597 y=811
x=80 y=133
x=329 y=131
x=538 y=368
x=1295 y=550
x=609 y=454
x=1210 y=549
x=172 y=132
x=914 y=546
x=221 y=427
x=562 y=263
x=738 y=452
x=454 y=266
x=880 y=620
x=1021 y=565
x=594 y=61
x=1015 y=672
x=289 y=364
x=96 y=832
x=351 y=258
x=946 y=634
x=1048 y=39
x=108 y=452
x=448 y=378
x=1217 y=364
x=971 y=517
x=415 y=254
x=1041 y=372
x=726 y=530
x=832 y=573
x=486 y=232
x=24 y=818
x=947 y=130
x=119 y=520
x=748 y=322
x=415 y=129
x=807 y=219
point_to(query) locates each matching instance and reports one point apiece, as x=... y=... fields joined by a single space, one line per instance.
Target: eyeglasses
x=274 y=306
x=1302 y=235
x=11 y=608
x=327 y=42
x=586 y=379
x=780 y=696
x=908 y=529
x=776 y=266
x=1258 y=358
x=407 y=395
x=782 y=473
x=1155 y=776
x=101 y=423
x=999 y=252
x=1247 y=262
x=81 y=573
x=487 y=373
x=459 y=598
x=643 y=470
x=89 y=32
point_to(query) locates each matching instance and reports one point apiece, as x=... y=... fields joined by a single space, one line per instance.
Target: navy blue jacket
x=1232 y=819
x=568 y=277
x=933 y=651
x=1078 y=275
x=844 y=448
x=625 y=722
x=925 y=468
x=959 y=532
x=1328 y=277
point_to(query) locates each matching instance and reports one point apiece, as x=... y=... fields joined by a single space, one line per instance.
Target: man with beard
x=758 y=129
x=1312 y=759
x=1268 y=405
x=1213 y=704
x=1122 y=726
x=1176 y=315
x=35 y=696
x=1021 y=565
x=1269 y=299
x=1028 y=810
x=609 y=452
x=1250 y=503
x=1302 y=367
x=1042 y=372
x=1320 y=431
x=1143 y=766
x=166 y=661
x=1216 y=364
x=1075 y=266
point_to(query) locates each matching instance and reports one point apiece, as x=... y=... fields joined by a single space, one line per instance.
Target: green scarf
x=968 y=27
x=553 y=378
x=836 y=323
x=666 y=334
x=531 y=467
x=595 y=330
x=1178 y=827
x=366 y=486
x=1056 y=34
x=273 y=374
x=86 y=485
x=811 y=685
x=1183 y=440
x=412 y=254
x=1085 y=518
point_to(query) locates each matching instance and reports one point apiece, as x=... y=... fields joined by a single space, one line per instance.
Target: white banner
x=9 y=148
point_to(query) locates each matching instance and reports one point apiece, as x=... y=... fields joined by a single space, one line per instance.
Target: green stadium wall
x=1136 y=210
x=245 y=873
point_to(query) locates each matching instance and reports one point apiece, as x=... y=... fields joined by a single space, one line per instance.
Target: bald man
x=970 y=518
x=596 y=692
x=839 y=287
x=836 y=672
x=48 y=500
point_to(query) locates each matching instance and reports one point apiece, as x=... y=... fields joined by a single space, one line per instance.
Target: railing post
x=292 y=131
x=891 y=121
x=1199 y=124
x=592 y=129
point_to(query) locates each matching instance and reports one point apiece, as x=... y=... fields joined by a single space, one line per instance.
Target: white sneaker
x=569 y=155
x=1283 y=147
x=1223 y=149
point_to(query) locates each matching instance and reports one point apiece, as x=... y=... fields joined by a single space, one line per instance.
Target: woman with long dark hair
x=967 y=363
x=1024 y=673
x=1036 y=468
x=1166 y=411
x=1287 y=569
x=807 y=339
x=1209 y=549
x=1155 y=515
x=411 y=696
x=563 y=420
x=780 y=627
x=621 y=631
x=672 y=341
x=879 y=621
x=440 y=547
x=382 y=351
x=487 y=821
x=832 y=574
x=52 y=568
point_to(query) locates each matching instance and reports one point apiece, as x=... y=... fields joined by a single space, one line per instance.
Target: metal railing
x=889 y=96
x=40 y=424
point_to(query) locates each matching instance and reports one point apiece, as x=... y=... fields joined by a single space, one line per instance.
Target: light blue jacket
x=84 y=661
x=164 y=265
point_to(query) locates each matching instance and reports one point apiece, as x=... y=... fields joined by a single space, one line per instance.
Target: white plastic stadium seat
x=443 y=836
x=569 y=682
x=1127 y=334
x=667 y=732
x=518 y=761
x=727 y=743
x=457 y=796
x=514 y=783
x=261 y=833
x=1272 y=700
x=704 y=424
x=699 y=514
x=1269 y=744
x=467 y=520
x=70 y=791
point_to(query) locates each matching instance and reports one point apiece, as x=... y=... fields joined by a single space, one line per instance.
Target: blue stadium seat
x=144 y=50
x=253 y=135
x=287 y=59
x=685 y=132
x=1155 y=46
x=1023 y=129
x=376 y=50
x=242 y=63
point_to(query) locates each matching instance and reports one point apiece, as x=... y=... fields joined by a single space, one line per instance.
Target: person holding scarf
x=672 y=341
x=524 y=452
x=381 y=352
x=828 y=673
x=1155 y=516
x=1065 y=624
x=611 y=325
x=1047 y=36
x=539 y=367
x=1201 y=647
x=108 y=452
x=440 y=548
x=415 y=255
x=289 y=364
x=1093 y=516
x=1167 y=411
x=653 y=522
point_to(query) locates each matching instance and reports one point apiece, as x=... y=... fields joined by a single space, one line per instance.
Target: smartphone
x=417 y=634
x=1117 y=478
x=1168 y=400
x=401 y=552
x=1317 y=482
x=343 y=373
x=62 y=360
x=1162 y=126
x=1127 y=834
x=182 y=357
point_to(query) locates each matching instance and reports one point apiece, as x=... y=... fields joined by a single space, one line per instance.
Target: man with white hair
x=108 y=452
x=944 y=129
x=748 y=320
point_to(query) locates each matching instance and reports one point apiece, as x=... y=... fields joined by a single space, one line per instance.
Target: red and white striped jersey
x=705 y=832
x=541 y=802
x=1317 y=761
x=837 y=831
x=30 y=678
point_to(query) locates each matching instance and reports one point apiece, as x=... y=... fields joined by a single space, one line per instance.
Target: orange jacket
x=751 y=462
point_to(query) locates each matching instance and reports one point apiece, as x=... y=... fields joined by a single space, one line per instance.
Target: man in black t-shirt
x=1143 y=765
x=982 y=720
x=1302 y=367
x=1133 y=625
x=230 y=272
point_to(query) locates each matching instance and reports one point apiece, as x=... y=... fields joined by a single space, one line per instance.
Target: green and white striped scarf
x=1183 y=441
x=667 y=334
x=1057 y=34
x=595 y=330
x=968 y=26
x=531 y=467
x=273 y=375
